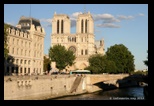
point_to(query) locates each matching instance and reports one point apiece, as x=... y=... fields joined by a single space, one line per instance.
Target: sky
x=125 y=24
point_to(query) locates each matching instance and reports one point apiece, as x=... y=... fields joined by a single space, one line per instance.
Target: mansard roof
x=16 y=28
x=26 y=22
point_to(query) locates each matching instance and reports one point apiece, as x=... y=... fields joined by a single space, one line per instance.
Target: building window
x=81 y=52
x=86 y=52
x=21 y=70
x=82 y=26
x=62 y=23
x=29 y=62
x=58 y=26
x=86 y=26
x=29 y=70
x=72 y=48
x=25 y=61
x=21 y=61
x=17 y=61
x=25 y=70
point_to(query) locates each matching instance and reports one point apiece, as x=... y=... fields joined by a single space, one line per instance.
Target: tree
x=46 y=65
x=96 y=63
x=61 y=56
x=99 y=64
x=146 y=61
x=122 y=58
x=6 y=51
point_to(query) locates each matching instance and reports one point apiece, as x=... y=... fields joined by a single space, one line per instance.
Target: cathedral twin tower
x=82 y=43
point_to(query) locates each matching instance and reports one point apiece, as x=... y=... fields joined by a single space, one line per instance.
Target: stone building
x=82 y=43
x=26 y=46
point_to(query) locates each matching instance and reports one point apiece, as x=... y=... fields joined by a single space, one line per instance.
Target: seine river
x=131 y=93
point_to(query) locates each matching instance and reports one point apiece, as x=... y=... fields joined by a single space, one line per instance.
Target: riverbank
x=45 y=87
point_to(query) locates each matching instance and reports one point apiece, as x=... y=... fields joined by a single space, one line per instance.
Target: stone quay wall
x=51 y=86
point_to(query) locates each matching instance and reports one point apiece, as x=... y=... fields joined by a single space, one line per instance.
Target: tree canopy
x=6 y=51
x=146 y=61
x=61 y=56
x=118 y=59
x=122 y=58
x=46 y=65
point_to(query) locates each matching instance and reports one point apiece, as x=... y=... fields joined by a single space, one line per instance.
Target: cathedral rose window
x=72 y=48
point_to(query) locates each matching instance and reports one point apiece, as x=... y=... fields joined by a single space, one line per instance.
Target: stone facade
x=82 y=43
x=26 y=46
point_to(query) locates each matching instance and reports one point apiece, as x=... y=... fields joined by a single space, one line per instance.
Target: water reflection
x=131 y=93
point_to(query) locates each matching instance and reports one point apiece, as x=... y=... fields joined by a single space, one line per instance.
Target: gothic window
x=86 y=26
x=58 y=26
x=75 y=39
x=86 y=52
x=62 y=27
x=81 y=52
x=82 y=26
x=72 y=48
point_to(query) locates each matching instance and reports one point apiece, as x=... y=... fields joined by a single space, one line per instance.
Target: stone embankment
x=45 y=87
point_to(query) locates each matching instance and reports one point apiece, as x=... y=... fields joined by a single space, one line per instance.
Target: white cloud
x=73 y=18
x=123 y=17
x=108 y=25
x=46 y=22
x=141 y=14
x=108 y=20
x=11 y=23
x=75 y=14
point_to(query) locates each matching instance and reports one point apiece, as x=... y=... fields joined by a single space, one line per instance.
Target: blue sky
x=116 y=23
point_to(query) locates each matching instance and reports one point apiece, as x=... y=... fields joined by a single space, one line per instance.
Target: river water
x=130 y=93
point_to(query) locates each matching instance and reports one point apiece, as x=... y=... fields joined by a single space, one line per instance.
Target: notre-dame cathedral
x=82 y=43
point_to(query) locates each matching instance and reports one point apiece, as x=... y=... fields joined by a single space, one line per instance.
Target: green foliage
x=122 y=58
x=146 y=61
x=96 y=63
x=100 y=64
x=46 y=65
x=5 y=41
x=118 y=59
x=61 y=56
